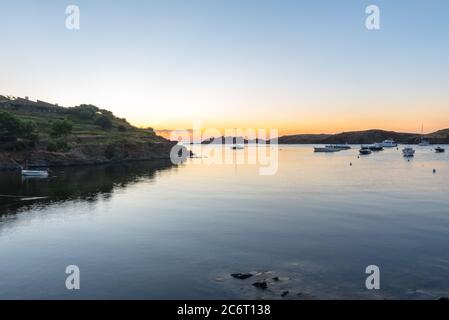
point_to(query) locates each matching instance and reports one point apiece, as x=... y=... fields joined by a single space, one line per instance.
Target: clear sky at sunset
x=299 y=66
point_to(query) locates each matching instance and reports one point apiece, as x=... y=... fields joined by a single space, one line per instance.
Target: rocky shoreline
x=86 y=155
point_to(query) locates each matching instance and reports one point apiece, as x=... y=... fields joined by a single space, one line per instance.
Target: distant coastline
x=367 y=137
x=352 y=137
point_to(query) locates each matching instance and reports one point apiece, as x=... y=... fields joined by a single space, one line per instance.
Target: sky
x=292 y=65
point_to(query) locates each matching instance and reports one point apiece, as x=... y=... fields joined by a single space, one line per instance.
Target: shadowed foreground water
x=154 y=231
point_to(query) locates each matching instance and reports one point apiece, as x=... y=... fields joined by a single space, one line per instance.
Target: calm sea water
x=155 y=231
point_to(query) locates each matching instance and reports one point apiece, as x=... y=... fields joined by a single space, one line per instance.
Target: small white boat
x=389 y=143
x=35 y=173
x=408 y=152
x=326 y=149
x=238 y=147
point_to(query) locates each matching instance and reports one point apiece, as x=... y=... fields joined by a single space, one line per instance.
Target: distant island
x=41 y=134
x=353 y=137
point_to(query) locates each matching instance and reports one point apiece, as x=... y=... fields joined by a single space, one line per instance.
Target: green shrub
x=121 y=128
x=104 y=122
x=10 y=125
x=86 y=114
x=26 y=129
x=84 y=111
x=60 y=128
x=58 y=146
x=51 y=146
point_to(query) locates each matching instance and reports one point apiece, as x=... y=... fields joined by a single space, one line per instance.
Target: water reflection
x=86 y=184
x=316 y=224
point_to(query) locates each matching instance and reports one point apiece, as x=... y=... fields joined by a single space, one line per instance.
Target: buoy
x=434 y=171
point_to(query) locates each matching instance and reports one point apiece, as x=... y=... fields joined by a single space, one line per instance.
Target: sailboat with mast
x=236 y=146
x=423 y=142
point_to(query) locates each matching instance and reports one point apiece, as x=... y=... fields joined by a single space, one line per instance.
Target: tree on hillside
x=104 y=122
x=60 y=128
x=10 y=125
x=84 y=111
x=26 y=129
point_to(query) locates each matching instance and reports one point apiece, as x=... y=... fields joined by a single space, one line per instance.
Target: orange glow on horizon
x=325 y=126
x=314 y=120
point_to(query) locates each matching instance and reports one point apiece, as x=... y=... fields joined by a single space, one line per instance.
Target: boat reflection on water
x=86 y=183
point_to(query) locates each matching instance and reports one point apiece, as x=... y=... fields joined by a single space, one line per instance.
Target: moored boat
x=364 y=150
x=423 y=142
x=326 y=149
x=389 y=143
x=339 y=146
x=408 y=152
x=376 y=147
x=440 y=150
x=35 y=173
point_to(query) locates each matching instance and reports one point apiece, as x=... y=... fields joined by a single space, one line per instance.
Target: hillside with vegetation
x=44 y=134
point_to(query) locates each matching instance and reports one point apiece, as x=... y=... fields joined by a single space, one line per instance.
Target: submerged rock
x=266 y=285
x=241 y=276
x=261 y=285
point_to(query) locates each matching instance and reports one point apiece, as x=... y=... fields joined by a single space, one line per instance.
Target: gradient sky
x=299 y=66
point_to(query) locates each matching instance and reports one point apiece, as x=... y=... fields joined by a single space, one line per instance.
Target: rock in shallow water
x=261 y=285
x=241 y=276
